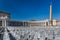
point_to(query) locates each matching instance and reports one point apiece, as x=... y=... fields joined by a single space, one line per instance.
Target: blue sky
x=30 y=9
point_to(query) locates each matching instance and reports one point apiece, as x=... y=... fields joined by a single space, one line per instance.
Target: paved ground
x=32 y=33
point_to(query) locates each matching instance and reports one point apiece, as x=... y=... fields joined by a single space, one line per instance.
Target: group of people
x=35 y=34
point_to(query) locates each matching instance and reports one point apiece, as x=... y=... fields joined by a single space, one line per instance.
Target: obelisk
x=51 y=19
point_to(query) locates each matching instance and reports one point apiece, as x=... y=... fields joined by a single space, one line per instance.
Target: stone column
x=23 y=23
x=51 y=20
x=3 y=23
x=45 y=24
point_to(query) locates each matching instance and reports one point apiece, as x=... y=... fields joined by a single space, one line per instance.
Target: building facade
x=6 y=21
